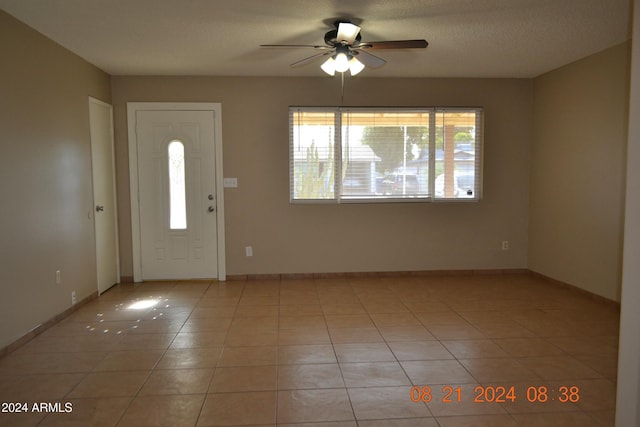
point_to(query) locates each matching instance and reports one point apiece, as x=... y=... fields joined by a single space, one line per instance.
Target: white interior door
x=104 y=193
x=177 y=194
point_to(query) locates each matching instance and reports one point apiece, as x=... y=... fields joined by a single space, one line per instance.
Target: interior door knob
x=211 y=209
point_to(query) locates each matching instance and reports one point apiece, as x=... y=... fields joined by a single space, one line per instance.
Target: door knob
x=211 y=209
x=99 y=208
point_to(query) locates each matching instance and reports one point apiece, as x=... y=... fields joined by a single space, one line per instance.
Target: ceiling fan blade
x=347 y=32
x=309 y=59
x=295 y=46
x=368 y=59
x=395 y=44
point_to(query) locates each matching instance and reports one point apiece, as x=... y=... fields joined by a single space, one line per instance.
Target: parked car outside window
x=464 y=185
x=403 y=184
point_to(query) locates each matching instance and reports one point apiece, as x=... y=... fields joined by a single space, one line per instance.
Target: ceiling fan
x=347 y=51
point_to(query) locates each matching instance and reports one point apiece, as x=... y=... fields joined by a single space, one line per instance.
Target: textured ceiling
x=467 y=38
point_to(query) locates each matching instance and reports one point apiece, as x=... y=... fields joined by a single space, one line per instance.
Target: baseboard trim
x=574 y=288
x=373 y=274
x=44 y=326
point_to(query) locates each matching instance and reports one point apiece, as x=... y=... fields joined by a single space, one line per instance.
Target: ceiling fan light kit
x=342 y=61
x=344 y=43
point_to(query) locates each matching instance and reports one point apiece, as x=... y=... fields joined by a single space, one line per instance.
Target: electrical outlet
x=58 y=277
x=248 y=250
x=73 y=297
x=505 y=245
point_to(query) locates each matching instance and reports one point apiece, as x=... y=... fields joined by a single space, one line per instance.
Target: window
x=177 y=189
x=392 y=154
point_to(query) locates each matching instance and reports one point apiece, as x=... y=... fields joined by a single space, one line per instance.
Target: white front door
x=104 y=193
x=177 y=196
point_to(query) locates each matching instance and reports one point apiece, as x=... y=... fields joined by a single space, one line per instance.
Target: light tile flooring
x=324 y=353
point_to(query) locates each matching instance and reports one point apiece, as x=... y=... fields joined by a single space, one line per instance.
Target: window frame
x=430 y=197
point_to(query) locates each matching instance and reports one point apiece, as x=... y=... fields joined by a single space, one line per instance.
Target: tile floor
x=323 y=353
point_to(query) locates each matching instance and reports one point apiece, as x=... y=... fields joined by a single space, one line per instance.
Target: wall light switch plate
x=230 y=183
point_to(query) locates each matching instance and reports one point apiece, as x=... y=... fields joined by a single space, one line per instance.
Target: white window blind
x=392 y=154
x=312 y=155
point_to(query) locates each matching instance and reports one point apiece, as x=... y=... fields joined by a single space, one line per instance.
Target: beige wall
x=337 y=238
x=578 y=170
x=45 y=177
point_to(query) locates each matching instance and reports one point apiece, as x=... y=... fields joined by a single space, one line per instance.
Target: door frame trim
x=132 y=109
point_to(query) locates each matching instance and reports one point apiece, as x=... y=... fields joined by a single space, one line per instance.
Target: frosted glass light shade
x=329 y=66
x=355 y=66
x=341 y=62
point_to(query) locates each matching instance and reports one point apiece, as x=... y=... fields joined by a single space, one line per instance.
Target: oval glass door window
x=177 y=187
